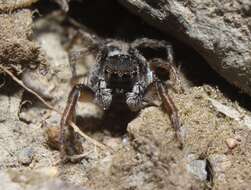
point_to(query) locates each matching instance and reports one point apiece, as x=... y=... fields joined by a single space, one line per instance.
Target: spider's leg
x=167 y=64
x=74 y=56
x=91 y=46
x=162 y=69
x=69 y=140
x=91 y=41
x=150 y=43
x=63 y=5
x=163 y=75
x=171 y=109
x=155 y=44
x=66 y=133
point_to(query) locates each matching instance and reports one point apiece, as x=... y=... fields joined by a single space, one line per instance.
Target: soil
x=142 y=150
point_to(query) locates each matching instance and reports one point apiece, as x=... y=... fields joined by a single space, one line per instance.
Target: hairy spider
x=123 y=74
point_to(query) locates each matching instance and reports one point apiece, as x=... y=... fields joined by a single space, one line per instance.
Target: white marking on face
x=113 y=53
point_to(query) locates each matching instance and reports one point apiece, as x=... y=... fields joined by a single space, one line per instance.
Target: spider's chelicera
x=123 y=74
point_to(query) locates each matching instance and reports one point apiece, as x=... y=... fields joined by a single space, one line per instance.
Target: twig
x=73 y=125
x=26 y=88
x=77 y=130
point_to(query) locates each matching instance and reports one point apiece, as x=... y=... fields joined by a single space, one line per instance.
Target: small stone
x=226 y=110
x=198 y=169
x=232 y=143
x=25 y=156
x=53 y=135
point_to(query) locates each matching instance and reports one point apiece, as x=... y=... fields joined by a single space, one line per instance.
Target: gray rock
x=198 y=169
x=26 y=155
x=218 y=30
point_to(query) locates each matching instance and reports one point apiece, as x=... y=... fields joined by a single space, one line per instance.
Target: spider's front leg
x=171 y=109
x=91 y=46
x=159 y=64
x=167 y=73
x=70 y=144
x=162 y=86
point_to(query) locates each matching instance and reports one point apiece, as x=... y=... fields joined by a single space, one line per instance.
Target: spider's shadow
x=114 y=121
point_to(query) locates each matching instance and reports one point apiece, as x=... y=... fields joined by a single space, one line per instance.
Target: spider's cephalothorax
x=123 y=74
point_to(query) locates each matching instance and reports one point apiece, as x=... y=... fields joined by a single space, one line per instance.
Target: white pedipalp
x=149 y=76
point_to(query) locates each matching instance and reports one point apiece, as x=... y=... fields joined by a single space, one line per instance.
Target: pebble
x=25 y=156
x=232 y=143
x=53 y=133
x=198 y=169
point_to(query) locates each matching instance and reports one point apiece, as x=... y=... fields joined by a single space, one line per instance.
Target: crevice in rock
x=210 y=175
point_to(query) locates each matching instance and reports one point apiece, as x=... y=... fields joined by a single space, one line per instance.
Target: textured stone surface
x=10 y=5
x=218 y=30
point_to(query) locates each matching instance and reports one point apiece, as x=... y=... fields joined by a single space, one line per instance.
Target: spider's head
x=121 y=68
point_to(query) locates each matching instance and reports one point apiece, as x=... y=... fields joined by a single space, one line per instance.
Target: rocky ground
x=142 y=153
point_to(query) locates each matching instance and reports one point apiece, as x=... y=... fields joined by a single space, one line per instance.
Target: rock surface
x=15 y=45
x=10 y=5
x=218 y=30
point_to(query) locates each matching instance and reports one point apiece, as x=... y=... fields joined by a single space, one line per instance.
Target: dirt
x=143 y=153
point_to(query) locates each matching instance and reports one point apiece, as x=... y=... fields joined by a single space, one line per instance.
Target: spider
x=122 y=74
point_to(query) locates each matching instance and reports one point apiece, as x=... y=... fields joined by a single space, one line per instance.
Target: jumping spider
x=123 y=74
